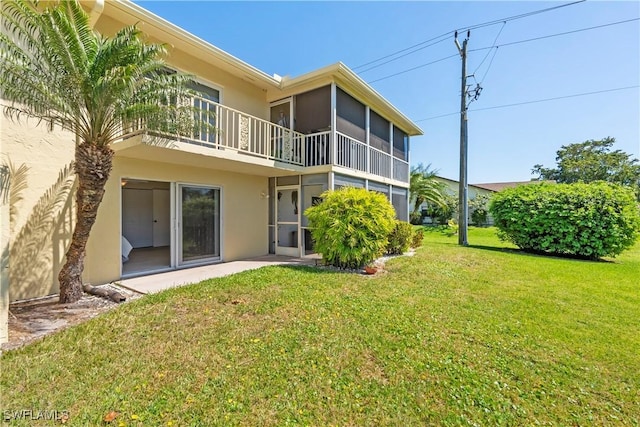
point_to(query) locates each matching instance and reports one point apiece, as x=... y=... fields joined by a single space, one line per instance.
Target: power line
x=402 y=56
x=508 y=44
x=485 y=57
x=444 y=36
x=556 y=34
x=414 y=68
x=441 y=36
x=533 y=102
x=489 y=67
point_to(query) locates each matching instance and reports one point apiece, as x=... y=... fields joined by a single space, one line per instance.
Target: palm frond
x=425 y=187
x=56 y=69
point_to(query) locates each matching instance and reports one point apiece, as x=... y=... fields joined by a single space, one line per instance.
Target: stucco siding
x=243 y=218
x=236 y=93
x=41 y=215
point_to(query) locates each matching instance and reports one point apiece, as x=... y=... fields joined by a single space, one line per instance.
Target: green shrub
x=351 y=226
x=478 y=207
x=415 y=218
x=400 y=238
x=418 y=235
x=442 y=214
x=582 y=220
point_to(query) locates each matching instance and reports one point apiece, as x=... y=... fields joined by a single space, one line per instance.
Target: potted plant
x=370 y=269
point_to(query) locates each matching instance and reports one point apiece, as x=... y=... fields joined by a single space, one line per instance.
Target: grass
x=483 y=335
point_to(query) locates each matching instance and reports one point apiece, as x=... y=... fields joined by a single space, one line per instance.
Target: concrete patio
x=160 y=281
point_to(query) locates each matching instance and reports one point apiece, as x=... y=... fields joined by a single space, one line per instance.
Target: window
x=400 y=144
x=351 y=116
x=379 y=137
x=313 y=110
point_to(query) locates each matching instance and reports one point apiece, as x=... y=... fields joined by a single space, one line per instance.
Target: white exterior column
x=367 y=140
x=391 y=147
x=334 y=112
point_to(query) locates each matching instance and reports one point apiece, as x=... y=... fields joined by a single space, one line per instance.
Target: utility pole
x=463 y=205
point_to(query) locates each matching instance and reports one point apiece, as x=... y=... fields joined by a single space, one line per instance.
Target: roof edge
x=340 y=70
x=150 y=18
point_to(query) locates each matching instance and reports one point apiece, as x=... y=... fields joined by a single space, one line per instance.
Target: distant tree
x=591 y=161
x=442 y=214
x=424 y=187
x=479 y=208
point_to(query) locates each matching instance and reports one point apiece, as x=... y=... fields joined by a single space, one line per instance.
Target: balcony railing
x=230 y=129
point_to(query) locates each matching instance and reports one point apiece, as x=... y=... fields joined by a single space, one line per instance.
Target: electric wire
x=507 y=44
x=533 y=101
x=487 y=55
x=443 y=36
x=556 y=34
x=522 y=15
x=489 y=67
x=402 y=56
x=414 y=68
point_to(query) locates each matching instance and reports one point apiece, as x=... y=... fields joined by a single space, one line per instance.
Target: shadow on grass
x=321 y=269
x=523 y=252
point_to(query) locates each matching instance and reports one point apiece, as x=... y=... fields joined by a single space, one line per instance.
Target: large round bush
x=351 y=226
x=583 y=220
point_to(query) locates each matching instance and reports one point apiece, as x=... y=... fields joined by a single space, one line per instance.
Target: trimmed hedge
x=400 y=238
x=581 y=220
x=418 y=236
x=351 y=226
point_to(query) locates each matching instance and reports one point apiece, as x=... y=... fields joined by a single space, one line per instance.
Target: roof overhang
x=351 y=83
x=158 y=28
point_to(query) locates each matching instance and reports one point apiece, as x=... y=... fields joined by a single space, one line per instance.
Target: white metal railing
x=350 y=153
x=318 y=148
x=225 y=128
x=379 y=162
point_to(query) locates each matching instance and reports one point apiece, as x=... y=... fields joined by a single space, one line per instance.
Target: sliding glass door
x=199 y=224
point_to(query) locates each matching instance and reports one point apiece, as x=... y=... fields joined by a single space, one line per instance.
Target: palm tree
x=425 y=188
x=55 y=68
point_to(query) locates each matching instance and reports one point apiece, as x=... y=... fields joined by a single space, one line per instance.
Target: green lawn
x=482 y=335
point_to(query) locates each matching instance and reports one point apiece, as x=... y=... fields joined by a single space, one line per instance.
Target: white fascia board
x=141 y=14
x=343 y=74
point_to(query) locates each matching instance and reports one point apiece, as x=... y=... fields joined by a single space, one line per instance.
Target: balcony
x=237 y=132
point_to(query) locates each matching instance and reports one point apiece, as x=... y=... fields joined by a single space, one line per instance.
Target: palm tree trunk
x=92 y=166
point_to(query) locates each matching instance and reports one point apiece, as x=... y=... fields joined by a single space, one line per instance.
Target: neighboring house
x=451 y=187
x=499 y=186
x=473 y=190
x=235 y=193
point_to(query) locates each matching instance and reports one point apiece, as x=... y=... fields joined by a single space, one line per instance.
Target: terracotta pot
x=370 y=270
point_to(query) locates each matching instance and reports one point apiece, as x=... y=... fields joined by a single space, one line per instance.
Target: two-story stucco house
x=235 y=193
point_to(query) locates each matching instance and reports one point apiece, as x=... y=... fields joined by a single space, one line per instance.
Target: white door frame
x=284 y=250
x=284 y=101
x=177 y=236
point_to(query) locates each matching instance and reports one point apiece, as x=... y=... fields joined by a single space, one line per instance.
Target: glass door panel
x=287 y=217
x=199 y=213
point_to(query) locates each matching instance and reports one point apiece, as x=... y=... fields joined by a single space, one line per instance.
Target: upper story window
x=313 y=110
x=351 y=116
x=206 y=92
x=400 y=144
x=379 y=137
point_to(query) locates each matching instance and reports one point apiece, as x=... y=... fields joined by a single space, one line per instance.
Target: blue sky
x=292 y=38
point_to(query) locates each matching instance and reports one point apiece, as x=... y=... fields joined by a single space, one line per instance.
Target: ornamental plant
x=351 y=226
x=418 y=236
x=582 y=220
x=400 y=238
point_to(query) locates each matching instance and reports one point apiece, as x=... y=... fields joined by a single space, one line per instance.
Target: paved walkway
x=160 y=281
